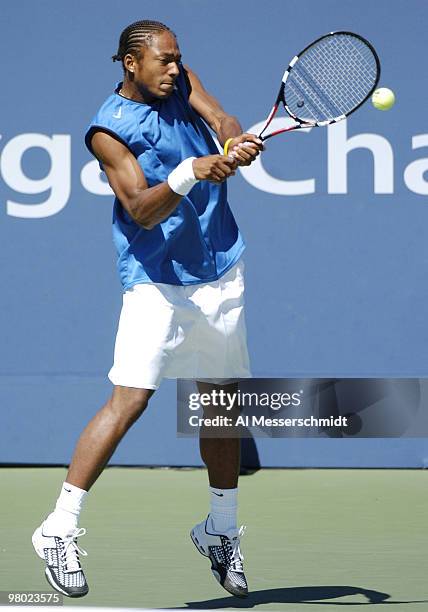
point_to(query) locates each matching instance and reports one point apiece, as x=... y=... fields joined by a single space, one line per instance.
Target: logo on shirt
x=118 y=113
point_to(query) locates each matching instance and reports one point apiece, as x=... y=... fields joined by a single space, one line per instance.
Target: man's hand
x=244 y=149
x=214 y=168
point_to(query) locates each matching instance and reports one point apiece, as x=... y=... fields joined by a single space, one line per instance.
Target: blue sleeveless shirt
x=199 y=241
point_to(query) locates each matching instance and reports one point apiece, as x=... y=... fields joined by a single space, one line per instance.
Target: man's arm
x=224 y=125
x=148 y=206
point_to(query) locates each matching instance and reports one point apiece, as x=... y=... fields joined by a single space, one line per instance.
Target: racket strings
x=357 y=65
x=331 y=78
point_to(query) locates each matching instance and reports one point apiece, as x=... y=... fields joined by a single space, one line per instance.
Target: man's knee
x=129 y=402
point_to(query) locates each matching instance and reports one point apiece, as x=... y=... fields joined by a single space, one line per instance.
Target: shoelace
x=69 y=553
x=236 y=557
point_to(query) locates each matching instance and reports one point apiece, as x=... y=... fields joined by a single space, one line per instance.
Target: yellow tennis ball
x=383 y=98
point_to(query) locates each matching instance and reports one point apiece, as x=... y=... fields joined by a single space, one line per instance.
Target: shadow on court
x=298 y=595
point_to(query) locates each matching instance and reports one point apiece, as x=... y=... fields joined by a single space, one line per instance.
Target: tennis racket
x=326 y=82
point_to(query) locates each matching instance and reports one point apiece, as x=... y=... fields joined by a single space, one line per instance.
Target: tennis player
x=179 y=260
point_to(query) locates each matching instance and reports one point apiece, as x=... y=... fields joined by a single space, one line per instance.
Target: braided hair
x=138 y=34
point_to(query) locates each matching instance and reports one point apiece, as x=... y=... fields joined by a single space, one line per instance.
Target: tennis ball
x=383 y=98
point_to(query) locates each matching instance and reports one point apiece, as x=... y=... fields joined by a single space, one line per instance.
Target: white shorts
x=191 y=331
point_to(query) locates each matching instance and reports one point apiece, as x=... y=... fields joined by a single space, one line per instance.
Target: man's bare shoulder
x=107 y=147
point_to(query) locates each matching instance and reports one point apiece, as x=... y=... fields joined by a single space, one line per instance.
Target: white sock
x=224 y=508
x=65 y=517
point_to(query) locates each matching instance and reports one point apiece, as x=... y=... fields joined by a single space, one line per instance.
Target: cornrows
x=139 y=33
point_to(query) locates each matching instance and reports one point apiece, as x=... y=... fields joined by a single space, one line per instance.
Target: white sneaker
x=224 y=553
x=61 y=555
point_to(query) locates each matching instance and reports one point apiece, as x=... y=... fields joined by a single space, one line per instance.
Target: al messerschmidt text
x=263 y=421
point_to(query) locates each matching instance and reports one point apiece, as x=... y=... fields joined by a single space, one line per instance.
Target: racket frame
x=299 y=123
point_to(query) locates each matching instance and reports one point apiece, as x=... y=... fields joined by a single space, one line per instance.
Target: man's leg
x=218 y=537
x=221 y=455
x=101 y=436
x=94 y=448
x=55 y=540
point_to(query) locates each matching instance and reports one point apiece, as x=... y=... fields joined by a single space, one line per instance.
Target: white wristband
x=182 y=179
